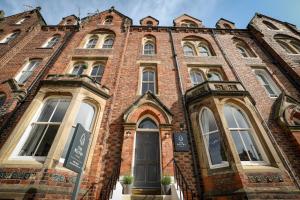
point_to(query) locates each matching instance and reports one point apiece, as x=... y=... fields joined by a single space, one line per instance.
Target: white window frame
x=14 y=155
x=80 y=64
x=25 y=70
x=108 y=38
x=224 y=163
x=146 y=68
x=205 y=47
x=271 y=83
x=252 y=131
x=217 y=73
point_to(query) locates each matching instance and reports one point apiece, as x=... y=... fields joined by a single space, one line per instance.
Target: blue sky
x=209 y=11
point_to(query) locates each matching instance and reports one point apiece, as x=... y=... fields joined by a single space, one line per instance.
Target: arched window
x=289 y=44
x=214 y=76
x=242 y=134
x=79 y=68
x=243 y=51
x=188 y=50
x=20 y=21
x=270 y=25
x=10 y=37
x=108 y=43
x=203 y=50
x=147 y=123
x=2 y=99
x=212 y=139
x=149 y=23
x=227 y=26
x=148 y=81
x=108 y=20
x=149 y=48
x=85 y=120
x=266 y=81
x=42 y=131
x=92 y=42
x=196 y=77
x=52 y=41
x=97 y=72
x=27 y=71
x=286 y=47
x=188 y=23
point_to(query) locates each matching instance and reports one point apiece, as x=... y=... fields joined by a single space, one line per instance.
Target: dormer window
x=187 y=23
x=149 y=23
x=270 y=26
x=227 y=26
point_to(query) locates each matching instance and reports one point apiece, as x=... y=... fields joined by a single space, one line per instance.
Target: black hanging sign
x=181 y=142
x=78 y=148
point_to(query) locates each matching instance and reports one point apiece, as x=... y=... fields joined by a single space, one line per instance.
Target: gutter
x=264 y=123
x=187 y=118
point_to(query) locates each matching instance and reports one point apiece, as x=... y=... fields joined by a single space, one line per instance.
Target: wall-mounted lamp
x=127 y=134
x=181 y=126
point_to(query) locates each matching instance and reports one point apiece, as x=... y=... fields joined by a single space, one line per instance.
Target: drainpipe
x=38 y=78
x=186 y=116
x=264 y=123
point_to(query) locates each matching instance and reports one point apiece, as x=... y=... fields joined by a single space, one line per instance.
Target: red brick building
x=215 y=109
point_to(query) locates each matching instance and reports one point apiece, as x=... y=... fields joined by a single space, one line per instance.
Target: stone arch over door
x=147 y=106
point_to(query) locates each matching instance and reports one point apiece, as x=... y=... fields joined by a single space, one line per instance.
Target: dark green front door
x=147 y=160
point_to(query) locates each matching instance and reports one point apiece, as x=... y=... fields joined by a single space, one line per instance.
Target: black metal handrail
x=110 y=184
x=186 y=193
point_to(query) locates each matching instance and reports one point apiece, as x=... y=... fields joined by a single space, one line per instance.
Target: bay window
x=39 y=135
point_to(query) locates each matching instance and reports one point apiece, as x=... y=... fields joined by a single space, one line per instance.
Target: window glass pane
x=229 y=117
x=85 y=120
x=251 y=146
x=60 y=111
x=151 y=76
x=213 y=76
x=144 y=88
x=32 y=141
x=108 y=43
x=145 y=76
x=208 y=121
x=239 y=146
x=148 y=123
x=188 y=51
x=48 y=110
x=47 y=140
x=240 y=119
x=196 y=77
x=151 y=87
x=203 y=51
x=216 y=150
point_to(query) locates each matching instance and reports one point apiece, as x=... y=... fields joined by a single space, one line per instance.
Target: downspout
x=186 y=116
x=264 y=123
x=38 y=78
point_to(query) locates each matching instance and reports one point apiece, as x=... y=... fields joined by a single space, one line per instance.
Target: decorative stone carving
x=276 y=178
x=17 y=175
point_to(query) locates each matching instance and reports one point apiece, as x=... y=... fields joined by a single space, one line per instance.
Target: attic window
x=227 y=26
x=69 y=22
x=108 y=20
x=187 y=23
x=149 y=23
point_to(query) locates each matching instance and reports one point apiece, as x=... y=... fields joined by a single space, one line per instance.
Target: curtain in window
x=44 y=129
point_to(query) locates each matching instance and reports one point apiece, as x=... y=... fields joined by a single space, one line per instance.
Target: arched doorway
x=147 y=165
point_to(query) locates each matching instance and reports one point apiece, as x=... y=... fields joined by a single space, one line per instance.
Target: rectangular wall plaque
x=181 y=142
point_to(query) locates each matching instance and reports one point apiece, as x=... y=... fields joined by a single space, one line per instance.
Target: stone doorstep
x=147 y=197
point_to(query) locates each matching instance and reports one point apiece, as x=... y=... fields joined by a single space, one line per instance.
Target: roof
x=225 y=20
x=151 y=18
x=187 y=16
x=37 y=10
